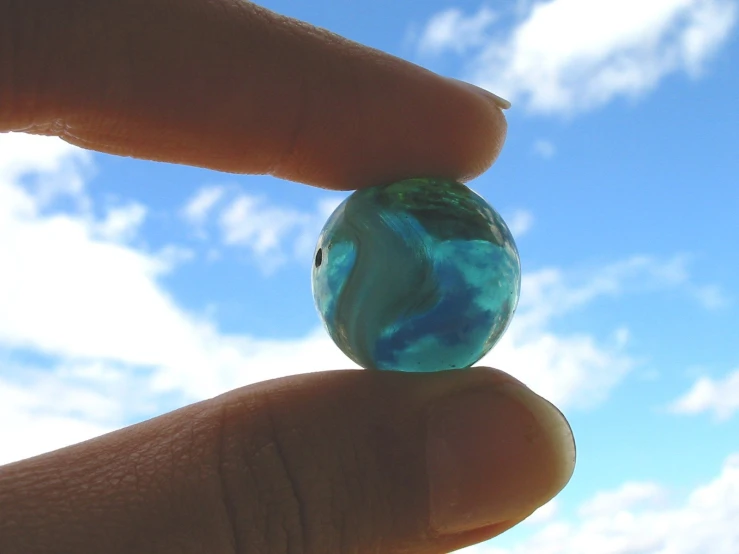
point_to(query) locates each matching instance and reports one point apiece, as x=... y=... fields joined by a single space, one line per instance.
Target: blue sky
x=129 y=288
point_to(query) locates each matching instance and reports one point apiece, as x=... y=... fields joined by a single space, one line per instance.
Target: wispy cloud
x=273 y=234
x=628 y=496
x=197 y=208
x=553 y=291
x=520 y=222
x=453 y=30
x=711 y=297
x=122 y=223
x=253 y=223
x=717 y=396
x=579 y=369
x=544 y=149
x=570 y=369
x=570 y=56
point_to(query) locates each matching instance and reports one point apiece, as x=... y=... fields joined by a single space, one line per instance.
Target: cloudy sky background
x=129 y=288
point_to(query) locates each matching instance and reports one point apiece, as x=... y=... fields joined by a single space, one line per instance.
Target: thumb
x=348 y=461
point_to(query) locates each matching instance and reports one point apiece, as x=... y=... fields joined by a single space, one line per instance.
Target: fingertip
x=412 y=123
x=495 y=453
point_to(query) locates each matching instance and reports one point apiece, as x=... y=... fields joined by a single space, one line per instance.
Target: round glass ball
x=420 y=275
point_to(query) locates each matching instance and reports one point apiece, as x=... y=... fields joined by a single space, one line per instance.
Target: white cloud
x=571 y=370
x=452 y=30
x=250 y=221
x=198 y=208
x=628 y=496
x=272 y=234
x=121 y=224
x=635 y=519
x=520 y=222
x=569 y=56
x=577 y=369
x=544 y=149
x=62 y=287
x=58 y=169
x=718 y=396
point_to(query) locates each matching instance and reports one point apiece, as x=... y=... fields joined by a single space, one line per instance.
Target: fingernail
x=495 y=455
x=502 y=103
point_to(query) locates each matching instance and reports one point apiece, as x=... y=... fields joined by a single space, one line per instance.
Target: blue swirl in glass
x=421 y=275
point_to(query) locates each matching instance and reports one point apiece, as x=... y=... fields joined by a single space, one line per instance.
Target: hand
x=338 y=462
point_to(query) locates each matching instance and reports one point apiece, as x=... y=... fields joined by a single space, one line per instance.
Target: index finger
x=231 y=86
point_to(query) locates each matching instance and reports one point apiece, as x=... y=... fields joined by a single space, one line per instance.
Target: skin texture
x=228 y=85
x=312 y=463
x=336 y=462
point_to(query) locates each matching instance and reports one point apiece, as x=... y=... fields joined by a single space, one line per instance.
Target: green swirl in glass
x=420 y=275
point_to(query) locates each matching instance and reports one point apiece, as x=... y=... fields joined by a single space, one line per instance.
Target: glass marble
x=420 y=275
